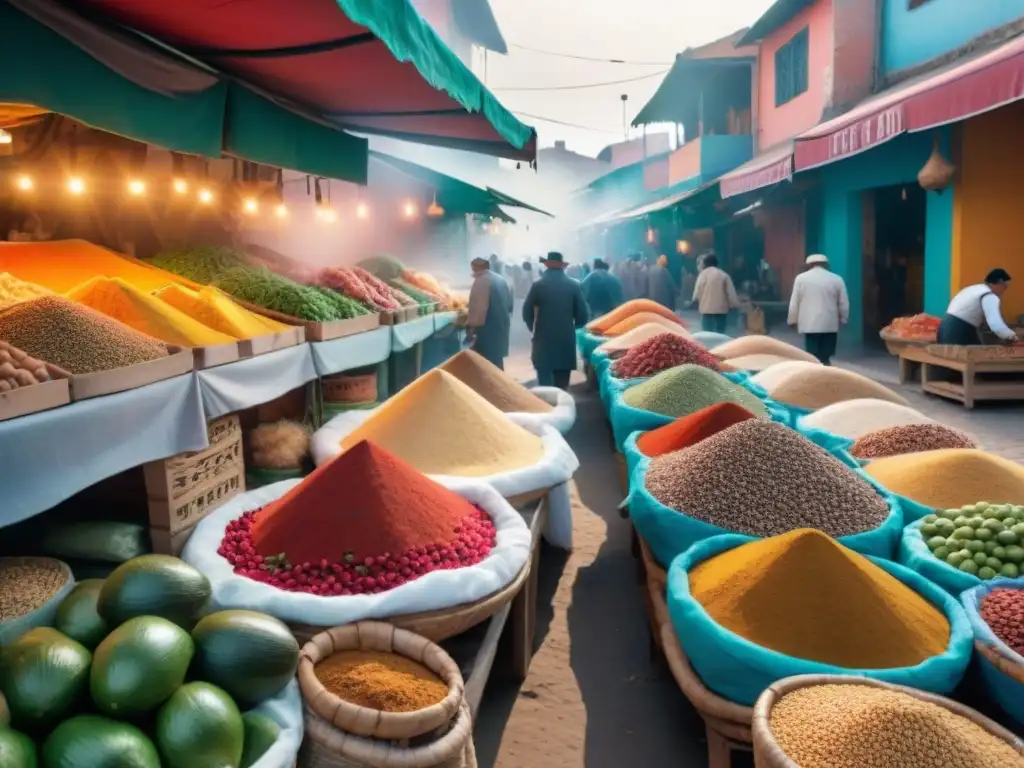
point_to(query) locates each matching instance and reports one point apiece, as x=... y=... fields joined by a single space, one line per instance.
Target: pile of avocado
x=137 y=674
x=985 y=540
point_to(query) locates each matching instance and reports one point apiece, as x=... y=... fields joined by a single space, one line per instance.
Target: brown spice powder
x=382 y=681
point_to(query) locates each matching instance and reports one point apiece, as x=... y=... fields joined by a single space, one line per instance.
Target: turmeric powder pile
x=805 y=595
x=214 y=309
x=383 y=681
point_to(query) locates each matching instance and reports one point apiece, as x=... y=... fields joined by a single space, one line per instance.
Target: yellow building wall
x=988 y=207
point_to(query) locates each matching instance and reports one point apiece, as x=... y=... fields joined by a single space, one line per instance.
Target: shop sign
x=866 y=133
x=775 y=173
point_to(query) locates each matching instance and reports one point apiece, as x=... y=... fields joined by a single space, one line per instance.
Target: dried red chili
x=661 y=352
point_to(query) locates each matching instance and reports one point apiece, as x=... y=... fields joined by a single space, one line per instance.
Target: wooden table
x=476 y=651
x=970 y=388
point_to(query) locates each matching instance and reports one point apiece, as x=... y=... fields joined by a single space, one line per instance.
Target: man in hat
x=601 y=289
x=553 y=310
x=818 y=307
x=489 y=315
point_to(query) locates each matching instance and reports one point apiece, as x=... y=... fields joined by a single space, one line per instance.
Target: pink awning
x=770 y=167
x=960 y=91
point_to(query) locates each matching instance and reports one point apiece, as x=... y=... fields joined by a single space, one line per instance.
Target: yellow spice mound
x=639 y=335
x=641 y=318
x=761 y=345
x=951 y=477
x=493 y=384
x=442 y=427
x=145 y=313
x=14 y=291
x=818 y=386
x=805 y=595
x=214 y=309
x=621 y=312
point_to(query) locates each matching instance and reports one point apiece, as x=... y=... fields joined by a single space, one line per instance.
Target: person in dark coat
x=660 y=286
x=601 y=289
x=489 y=315
x=553 y=310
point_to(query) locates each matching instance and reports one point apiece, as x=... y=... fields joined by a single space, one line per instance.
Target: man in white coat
x=818 y=307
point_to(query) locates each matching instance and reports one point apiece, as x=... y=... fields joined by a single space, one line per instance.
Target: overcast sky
x=634 y=30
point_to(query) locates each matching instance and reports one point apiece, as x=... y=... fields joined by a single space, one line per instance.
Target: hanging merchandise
x=938 y=172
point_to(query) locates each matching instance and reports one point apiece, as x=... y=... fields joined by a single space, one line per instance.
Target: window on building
x=791 y=65
x=912 y=4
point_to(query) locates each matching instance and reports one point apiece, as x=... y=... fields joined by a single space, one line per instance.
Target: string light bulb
x=682 y=246
x=137 y=187
x=362 y=211
x=251 y=206
x=409 y=210
x=5 y=137
x=205 y=196
x=180 y=186
x=650 y=235
x=24 y=183
x=326 y=214
x=76 y=185
x=281 y=210
x=434 y=210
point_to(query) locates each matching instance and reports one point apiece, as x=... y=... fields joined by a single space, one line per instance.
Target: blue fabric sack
x=587 y=343
x=669 y=533
x=739 y=670
x=633 y=455
x=914 y=554
x=1007 y=692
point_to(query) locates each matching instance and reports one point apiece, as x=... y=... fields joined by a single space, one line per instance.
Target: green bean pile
x=262 y=287
x=202 y=264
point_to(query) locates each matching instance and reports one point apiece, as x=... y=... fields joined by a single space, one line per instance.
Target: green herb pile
x=383 y=266
x=263 y=288
x=202 y=264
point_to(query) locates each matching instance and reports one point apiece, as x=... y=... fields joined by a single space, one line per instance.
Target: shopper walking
x=714 y=294
x=660 y=285
x=553 y=310
x=975 y=306
x=634 y=280
x=818 y=307
x=601 y=289
x=489 y=315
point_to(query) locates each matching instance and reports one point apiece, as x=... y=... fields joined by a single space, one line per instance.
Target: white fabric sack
x=433 y=591
x=285 y=709
x=563 y=417
x=554 y=470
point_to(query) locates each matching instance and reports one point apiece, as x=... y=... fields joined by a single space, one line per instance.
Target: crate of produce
x=333 y=329
x=271 y=342
x=28 y=385
x=986 y=353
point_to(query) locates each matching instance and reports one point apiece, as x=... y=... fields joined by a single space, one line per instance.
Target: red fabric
x=689 y=430
x=367 y=502
x=957 y=92
x=771 y=167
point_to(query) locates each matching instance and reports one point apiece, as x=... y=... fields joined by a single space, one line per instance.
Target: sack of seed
x=31 y=590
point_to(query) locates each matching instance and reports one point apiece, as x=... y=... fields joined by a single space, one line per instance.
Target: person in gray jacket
x=489 y=315
x=553 y=310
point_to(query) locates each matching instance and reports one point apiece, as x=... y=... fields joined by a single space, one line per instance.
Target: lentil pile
x=818 y=386
x=19 y=370
x=632 y=307
x=856 y=418
x=762 y=345
x=14 y=291
x=1003 y=610
x=26 y=586
x=909 y=438
x=493 y=384
x=860 y=726
x=763 y=479
x=638 y=335
x=951 y=477
x=78 y=339
x=686 y=389
x=642 y=318
x=689 y=430
x=442 y=427
x=660 y=353
x=807 y=596
x=146 y=313
x=363 y=523
x=385 y=682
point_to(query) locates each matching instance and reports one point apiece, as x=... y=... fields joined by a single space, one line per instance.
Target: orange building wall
x=987 y=220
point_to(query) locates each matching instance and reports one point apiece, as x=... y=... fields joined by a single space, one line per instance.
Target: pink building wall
x=684 y=163
x=777 y=124
x=656 y=173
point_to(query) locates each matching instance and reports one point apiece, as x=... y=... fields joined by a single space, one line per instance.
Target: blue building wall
x=722 y=152
x=912 y=37
x=842 y=188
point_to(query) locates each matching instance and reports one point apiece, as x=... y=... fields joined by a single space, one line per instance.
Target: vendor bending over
x=973 y=306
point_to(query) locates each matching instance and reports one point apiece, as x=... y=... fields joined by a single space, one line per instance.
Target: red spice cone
x=689 y=430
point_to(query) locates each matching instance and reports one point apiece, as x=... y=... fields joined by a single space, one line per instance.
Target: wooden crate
x=183 y=489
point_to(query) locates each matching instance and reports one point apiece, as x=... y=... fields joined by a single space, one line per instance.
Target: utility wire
x=562 y=122
x=581 y=86
x=591 y=58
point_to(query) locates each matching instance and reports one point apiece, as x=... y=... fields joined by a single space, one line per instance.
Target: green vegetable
x=260 y=734
x=95 y=540
x=139 y=665
x=271 y=291
x=929 y=529
x=964 y=532
x=44 y=675
x=250 y=655
x=1009 y=570
x=993 y=563
x=961 y=520
x=203 y=264
x=155 y=585
x=980 y=558
x=956 y=558
x=969 y=566
x=1015 y=554
x=936 y=541
x=941 y=552
x=200 y=727
x=985 y=572
x=383 y=266
x=77 y=616
x=5 y=712
x=1005 y=537
x=974 y=546
x=16 y=750
x=88 y=741
x=984 y=534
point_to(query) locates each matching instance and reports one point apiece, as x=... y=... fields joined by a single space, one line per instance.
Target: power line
x=582 y=86
x=562 y=122
x=591 y=58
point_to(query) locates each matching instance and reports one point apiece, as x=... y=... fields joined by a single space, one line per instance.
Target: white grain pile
x=818 y=386
x=775 y=374
x=758 y=362
x=856 y=418
x=762 y=345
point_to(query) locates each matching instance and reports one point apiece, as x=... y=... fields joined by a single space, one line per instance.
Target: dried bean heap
x=1003 y=610
x=818 y=386
x=26 y=586
x=763 y=479
x=909 y=438
x=687 y=389
x=75 y=338
x=860 y=726
x=19 y=370
x=664 y=351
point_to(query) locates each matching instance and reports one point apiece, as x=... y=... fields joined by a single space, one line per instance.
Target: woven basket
x=895 y=344
x=328 y=747
x=1001 y=661
x=442 y=624
x=363 y=721
x=768 y=753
